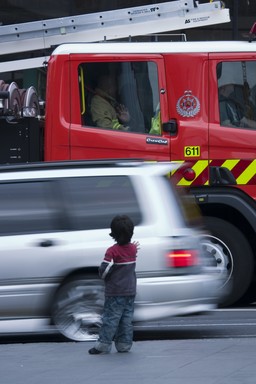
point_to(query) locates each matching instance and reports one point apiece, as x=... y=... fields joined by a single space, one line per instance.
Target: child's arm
x=104 y=269
x=105 y=266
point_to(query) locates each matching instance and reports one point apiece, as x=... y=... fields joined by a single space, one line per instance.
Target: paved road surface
x=219 y=348
x=207 y=361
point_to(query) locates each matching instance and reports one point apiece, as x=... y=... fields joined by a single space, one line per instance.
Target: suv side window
x=237 y=93
x=92 y=202
x=26 y=207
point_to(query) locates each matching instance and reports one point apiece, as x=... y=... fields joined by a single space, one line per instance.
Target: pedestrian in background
x=118 y=272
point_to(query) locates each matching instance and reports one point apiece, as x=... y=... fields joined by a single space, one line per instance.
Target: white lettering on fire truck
x=152 y=140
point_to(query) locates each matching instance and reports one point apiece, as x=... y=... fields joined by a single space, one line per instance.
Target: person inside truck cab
x=235 y=104
x=233 y=110
x=106 y=111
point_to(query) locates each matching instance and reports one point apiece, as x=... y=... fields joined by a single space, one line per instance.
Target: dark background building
x=243 y=14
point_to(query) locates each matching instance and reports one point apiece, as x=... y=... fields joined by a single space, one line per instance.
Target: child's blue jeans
x=116 y=324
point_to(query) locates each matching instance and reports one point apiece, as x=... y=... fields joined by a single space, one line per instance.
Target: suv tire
x=77 y=307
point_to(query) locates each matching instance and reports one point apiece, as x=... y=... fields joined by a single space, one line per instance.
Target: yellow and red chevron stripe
x=244 y=171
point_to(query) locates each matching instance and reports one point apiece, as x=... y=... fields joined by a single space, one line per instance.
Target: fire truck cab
x=192 y=102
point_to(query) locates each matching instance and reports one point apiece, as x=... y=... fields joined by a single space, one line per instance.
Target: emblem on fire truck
x=188 y=105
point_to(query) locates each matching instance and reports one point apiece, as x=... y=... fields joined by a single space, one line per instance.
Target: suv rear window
x=92 y=202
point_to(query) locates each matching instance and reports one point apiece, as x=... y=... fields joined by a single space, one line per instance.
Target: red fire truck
x=191 y=102
x=182 y=84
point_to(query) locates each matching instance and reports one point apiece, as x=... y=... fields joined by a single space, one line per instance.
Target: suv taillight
x=181 y=258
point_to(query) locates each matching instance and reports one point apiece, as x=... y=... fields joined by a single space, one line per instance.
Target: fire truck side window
x=120 y=95
x=237 y=93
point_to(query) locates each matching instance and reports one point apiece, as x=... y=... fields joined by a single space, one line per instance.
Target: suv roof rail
x=70 y=164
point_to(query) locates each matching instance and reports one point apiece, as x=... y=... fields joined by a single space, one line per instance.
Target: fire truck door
x=232 y=129
x=187 y=91
x=117 y=108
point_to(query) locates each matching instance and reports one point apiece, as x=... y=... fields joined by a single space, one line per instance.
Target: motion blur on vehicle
x=54 y=228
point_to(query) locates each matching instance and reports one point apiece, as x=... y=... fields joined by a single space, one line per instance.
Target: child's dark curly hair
x=122 y=229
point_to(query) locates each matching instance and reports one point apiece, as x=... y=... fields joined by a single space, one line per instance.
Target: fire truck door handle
x=171 y=127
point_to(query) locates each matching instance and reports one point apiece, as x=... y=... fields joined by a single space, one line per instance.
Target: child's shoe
x=94 y=351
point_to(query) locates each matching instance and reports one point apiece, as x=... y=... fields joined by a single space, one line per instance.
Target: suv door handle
x=46 y=243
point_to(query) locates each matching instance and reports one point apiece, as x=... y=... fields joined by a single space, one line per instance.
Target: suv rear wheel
x=78 y=306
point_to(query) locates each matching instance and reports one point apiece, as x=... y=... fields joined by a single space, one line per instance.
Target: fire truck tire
x=233 y=256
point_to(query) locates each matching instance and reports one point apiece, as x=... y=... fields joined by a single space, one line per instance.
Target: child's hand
x=137 y=244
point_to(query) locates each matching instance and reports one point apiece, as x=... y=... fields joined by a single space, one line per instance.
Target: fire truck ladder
x=108 y=25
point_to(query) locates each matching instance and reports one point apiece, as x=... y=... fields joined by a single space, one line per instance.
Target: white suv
x=54 y=228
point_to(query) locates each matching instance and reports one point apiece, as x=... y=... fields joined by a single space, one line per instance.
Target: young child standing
x=118 y=272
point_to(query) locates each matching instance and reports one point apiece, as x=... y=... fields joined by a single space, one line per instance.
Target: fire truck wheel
x=77 y=307
x=233 y=257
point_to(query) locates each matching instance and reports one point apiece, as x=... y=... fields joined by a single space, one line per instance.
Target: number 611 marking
x=193 y=151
